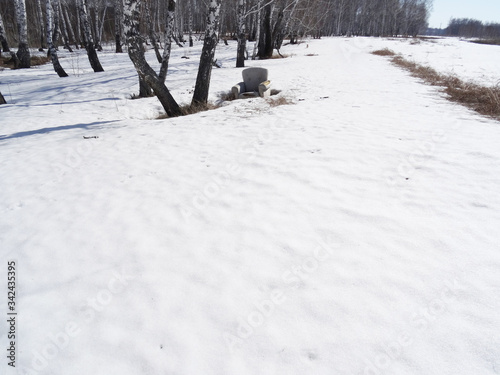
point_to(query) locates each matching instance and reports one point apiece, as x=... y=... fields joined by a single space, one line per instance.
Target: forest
x=90 y=24
x=471 y=28
x=286 y=18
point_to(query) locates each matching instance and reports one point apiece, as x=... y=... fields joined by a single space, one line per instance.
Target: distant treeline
x=470 y=28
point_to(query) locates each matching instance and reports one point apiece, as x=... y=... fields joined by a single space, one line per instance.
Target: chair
x=254 y=84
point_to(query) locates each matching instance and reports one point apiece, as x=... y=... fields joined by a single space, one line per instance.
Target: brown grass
x=190 y=109
x=7 y=61
x=275 y=102
x=482 y=99
x=384 y=52
x=279 y=56
x=493 y=42
x=39 y=60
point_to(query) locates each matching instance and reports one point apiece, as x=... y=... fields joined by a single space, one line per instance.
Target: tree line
x=129 y=24
x=471 y=28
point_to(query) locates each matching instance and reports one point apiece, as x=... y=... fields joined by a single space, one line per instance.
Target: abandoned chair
x=254 y=84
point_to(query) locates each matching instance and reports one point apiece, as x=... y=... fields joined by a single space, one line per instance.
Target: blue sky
x=483 y=10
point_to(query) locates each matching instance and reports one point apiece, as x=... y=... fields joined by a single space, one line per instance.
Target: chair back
x=253 y=77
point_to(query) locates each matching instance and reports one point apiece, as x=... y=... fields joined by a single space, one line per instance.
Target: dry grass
x=279 y=56
x=190 y=109
x=227 y=96
x=275 y=102
x=7 y=61
x=39 y=60
x=484 y=100
x=493 y=42
x=384 y=52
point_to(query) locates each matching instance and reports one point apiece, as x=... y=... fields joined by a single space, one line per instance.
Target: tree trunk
x=55 y=24
x=101 y=27
x=152 y=36
x=136 y=53
x=97 y=41
x=242 y=41
x=202 y=85
x=257 y=34
x=23 y=52
x=64 y=29
x=118 y=25
x=3 y=37
x=2 y=99
x=69 y=25
x=144 y=89
x=52 y=50
x=167 y=43
x=190 y=22
x=88 y=41
x=266 y=37
x=40 y=20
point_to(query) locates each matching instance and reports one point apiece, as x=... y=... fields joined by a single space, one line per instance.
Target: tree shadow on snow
x=53 y=129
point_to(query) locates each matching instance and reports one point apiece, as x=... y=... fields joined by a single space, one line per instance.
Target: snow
x=354 y=231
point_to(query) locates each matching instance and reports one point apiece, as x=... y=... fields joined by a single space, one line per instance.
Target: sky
x=483 y=10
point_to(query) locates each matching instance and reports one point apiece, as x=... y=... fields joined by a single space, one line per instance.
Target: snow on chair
x=254 y=84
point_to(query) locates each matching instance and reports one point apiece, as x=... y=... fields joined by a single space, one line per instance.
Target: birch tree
x=118 y=25
x=202 y=85
x=190 y=22
x=167 y=41
x=40 y=20
x=242 y=41
x=152 y=34
x=23 y=52
x=64 y=28
x=3 y=37
x=131 y=16
x=64 y=10
x=50 y=45
x=88 y=41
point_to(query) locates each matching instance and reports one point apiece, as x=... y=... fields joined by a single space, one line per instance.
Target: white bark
x=23 y=52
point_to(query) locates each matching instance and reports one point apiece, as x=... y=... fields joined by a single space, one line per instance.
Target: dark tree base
x=23 y=54
x=93 y=59
x=144 y=89
x=2 y=99
x=240 y=54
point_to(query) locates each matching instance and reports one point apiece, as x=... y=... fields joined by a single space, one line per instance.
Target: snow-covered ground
x=467 y=60
x=352 y=232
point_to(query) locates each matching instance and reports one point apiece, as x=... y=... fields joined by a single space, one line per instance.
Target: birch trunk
x=40 y=20
x=190 y=22
x=152 y=36
x=69 y=25
x=118 y=25
x=97 y=42
x=88 y=41
x=52 y=50
x=101 y=27
x=3 y=38
x=257 y=35
x=64 y=29
x=55 y=23
x=167 y=43
x=242 y=41
x=136 y=53
x=202 y=85
x=23 y=52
